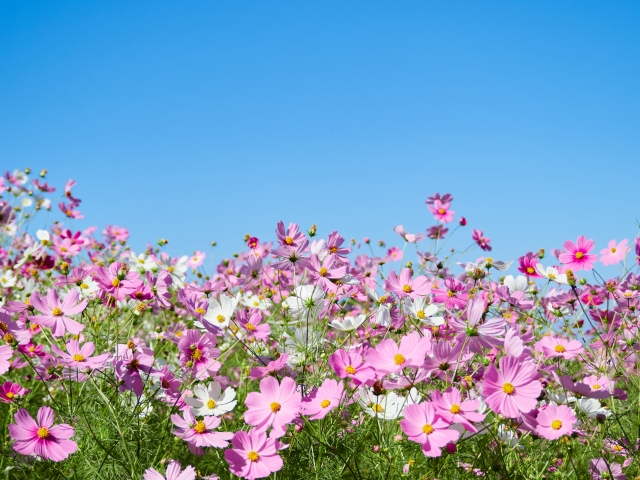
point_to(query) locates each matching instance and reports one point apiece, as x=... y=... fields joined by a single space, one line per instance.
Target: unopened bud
x=43 y=173
x=312 y=230
x=571 y=279
x=463 y=221
x=27 y=170
x=541 y=254
x=246 y=237
x=213 y=244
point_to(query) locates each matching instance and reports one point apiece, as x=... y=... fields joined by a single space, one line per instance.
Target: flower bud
x=463 y=221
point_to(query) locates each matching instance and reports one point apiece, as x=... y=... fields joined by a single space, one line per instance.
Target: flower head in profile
x=555 y=421
x=173 y=473
x=577 y=256
x=424 y=425
x=276 y=405
x=253 y=455
x=482 y=241
x=41 y=437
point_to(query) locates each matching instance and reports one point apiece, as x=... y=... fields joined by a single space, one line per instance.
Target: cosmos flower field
x=310 y=357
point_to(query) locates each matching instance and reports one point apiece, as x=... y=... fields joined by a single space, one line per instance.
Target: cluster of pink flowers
x=441 y=357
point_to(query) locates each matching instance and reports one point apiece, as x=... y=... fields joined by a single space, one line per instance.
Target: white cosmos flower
x=383 y=315
x=252 y=300
x=178 y=270
x=220 y=312
x=43 y=236
x=306 y=299
x=551 y=273
x=387 y=407
x=87 y=288
x=304 y=342
x=348 y=323
x=8 y=279
x=142 y=263
x=10 y=229
x=592 y=408
x=212 y=400
x=420 y=309
x=520 y=283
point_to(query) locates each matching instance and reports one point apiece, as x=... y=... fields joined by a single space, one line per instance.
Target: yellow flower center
x=220 y=318
x=251 y=327
x=451 y=294
x=398 y=359
x=579 y=255
x=170 y=268
x=323 y=271
x=556 y=424
x=613 y=250
x=407 y=289
x=197 y=354
x=325 y=403
x=8 y=337
x=200 y=427
x=617 y=448
x=84 y=286
x=376 y=407
x=551 y=276
x=441 y=211
x=596 y=387
x=275 y=407
x=420 y=314
x=428 y=429
x=10 y=395
x=78 y=357
x=350 y=370
x=253 y=456
x=201 y=311
x=560 y=349
x=43 y=433
x=333 y=249
x=455 y=408
x=211 y=403
x=530 y=270
x=288 y=241
x=130 y=344
x=56 y=312
x=115 y=282
x=508 y=388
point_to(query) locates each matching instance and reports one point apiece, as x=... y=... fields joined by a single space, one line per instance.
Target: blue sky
x=204 y=121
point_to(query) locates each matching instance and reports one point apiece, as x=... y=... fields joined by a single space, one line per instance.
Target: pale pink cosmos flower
x=405 y=286
x=200 y=433
x=276 y=405
x=388 y=357
x=196 y=260
x=577 y=256
x=615 y=252
x=41 y=437
x=323 y=399
x=450 y=406
x=173 y=473
x=5 y=355
x=513 y=389
x=441 y=211
x=555 y=421
x=409 y=237
x=81 y=357
x=476 y=333
x=254 y=455
x=424 y=425
x=350 y=365
x=600 y=469
x=552 y=346
x=56 y=313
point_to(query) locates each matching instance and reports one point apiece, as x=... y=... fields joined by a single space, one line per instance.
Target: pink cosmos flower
x=409 y=237
x=173 y=473
x=527 y=265
x=5 y=355
x=80 y=357
x=323 y=399
x=119 y=234
x=388 y=357
x=441 y=211
x=290 y=237
x=128 y=368
x=198 y=353
x=196 y=260
x=41 y=437
x=200 y=433
x=558 y=347
x=273 y=367
x=335 y=248
x=160 y=287
x=449 y=405
x=600 y=469
x=424 y=425
x=116 y=280
x=55 y=314
x=473 y=333
x=253 y=455
x=453 y=295
x=577 y=256
x=513 y=389
x=437 y=231
x=404 y=286
x=10 y=391
x=253 y=324
x=350 y=365
x=614 y=253
x=555 y=421
x=481 y=240
x=275 y=405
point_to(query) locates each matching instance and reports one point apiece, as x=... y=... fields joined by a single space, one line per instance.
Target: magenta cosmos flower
x=577 y=256
x=55 y=314
x=253 y=455
x=41 y=437
x=558 y=347
x=404 y=286
x=173 y=473
x=323 y=399
x=276 y=405
x=388 y=357
x=200 y=433
x=513 y=389
x=9 y=392
x=555 y=421
x=614 y=253
x=424 y=425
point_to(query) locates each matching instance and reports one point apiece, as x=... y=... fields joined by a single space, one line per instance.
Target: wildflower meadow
x=311 y=358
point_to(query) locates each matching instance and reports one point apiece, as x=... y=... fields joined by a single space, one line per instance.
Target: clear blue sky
x=207 y=120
